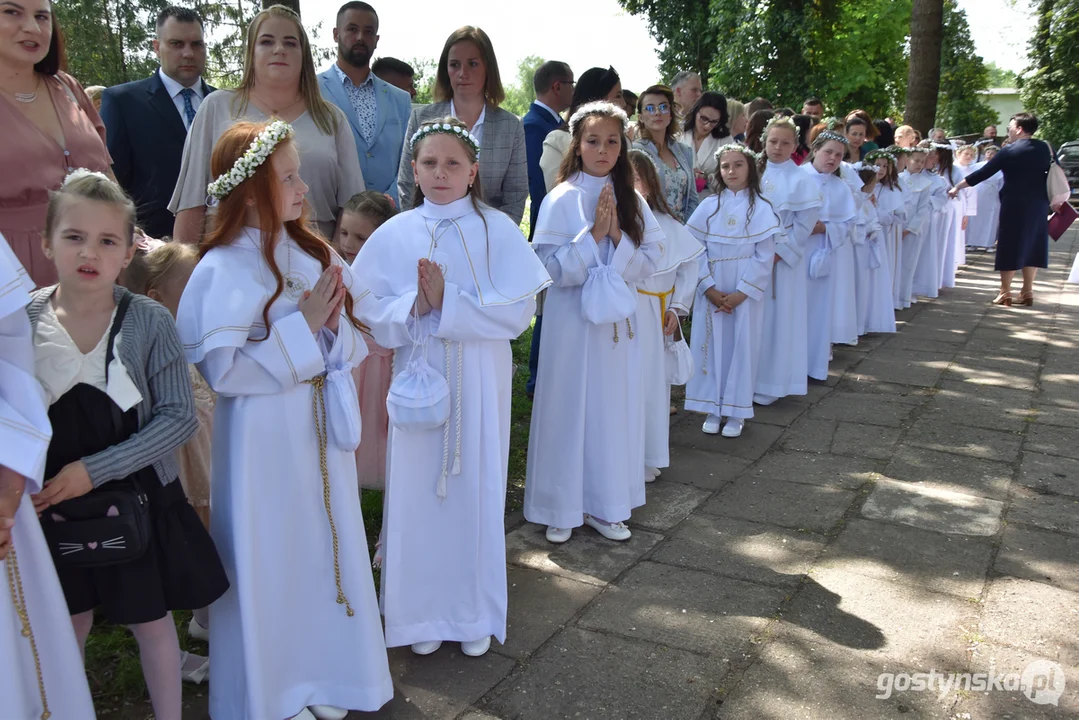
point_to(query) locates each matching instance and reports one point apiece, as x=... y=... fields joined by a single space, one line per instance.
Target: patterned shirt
x=363 y=102
x=676 y=185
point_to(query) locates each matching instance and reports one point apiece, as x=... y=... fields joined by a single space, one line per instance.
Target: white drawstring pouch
x=342 y=410
x=820 y=263
x=874 y=254
x=419 y=398
x=678 y=360
x=605 y=297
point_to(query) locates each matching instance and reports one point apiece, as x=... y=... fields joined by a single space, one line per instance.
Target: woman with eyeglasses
x=657 y=135
x=704 y=131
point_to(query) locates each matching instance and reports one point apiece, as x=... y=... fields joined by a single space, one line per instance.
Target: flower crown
x=246 y=165
x=830 y=135
x=736 y=147
x=787 y=122
x=599 y=107
x=79 y=173
x=448 y=129
x=874 y=155
x=863 y=165
x=918 y=149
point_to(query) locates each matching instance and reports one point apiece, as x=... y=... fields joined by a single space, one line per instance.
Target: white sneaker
x=475 y=648
x=612 y=531
x=650 y=474
x=198 y=631
x=328 y=712
x=764 y=399
x=558 y=535
x=711 y=425
x=196 y=676
x=426 y=648
x=733 y=428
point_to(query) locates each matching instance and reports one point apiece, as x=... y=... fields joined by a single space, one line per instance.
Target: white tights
x=159 y=651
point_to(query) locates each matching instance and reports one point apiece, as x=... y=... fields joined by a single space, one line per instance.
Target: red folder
x=1061 y=220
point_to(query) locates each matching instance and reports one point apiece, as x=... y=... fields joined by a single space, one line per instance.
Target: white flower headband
x=449 y=129
x=860 y=166
x=829 y=135
x=79 y=173
x=261 y=148
x=875 y=155
x=599 y=107
x=736 y=147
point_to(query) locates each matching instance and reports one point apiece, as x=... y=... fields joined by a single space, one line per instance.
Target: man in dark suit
x=553 y=83
x=146 y=121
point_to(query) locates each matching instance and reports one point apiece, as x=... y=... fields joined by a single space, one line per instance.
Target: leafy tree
x=521 y=93
x=1050 y=87
x=669 y=22
x=424 y=79
x=1001 y=78
x=962 y=75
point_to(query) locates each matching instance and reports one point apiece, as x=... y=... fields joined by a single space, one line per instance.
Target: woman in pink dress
x=50 y=127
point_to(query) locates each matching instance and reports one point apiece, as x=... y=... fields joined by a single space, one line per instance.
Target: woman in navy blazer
x=656 y=135
x=468 y=87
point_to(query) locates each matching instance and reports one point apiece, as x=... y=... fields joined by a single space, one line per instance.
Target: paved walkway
x=918 y=511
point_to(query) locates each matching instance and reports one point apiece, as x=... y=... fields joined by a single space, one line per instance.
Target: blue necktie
x=189 y=109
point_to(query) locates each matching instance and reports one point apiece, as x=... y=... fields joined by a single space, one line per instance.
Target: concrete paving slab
x=540 y=604
x=799 y=676
x=668 y=503
x=1038 y=555
x=912 y=394
x=762 y=554
x=1034 y=617
x=874 y=370
x=1004 y=664
x=1049 y=474
x=945 y=471
x=874 y=442
x=953 y=564
x=980 y=406
x=680 y=608
x=755 y=440
x=862 y=409
x=975 y=442
x=931 y=509
x=782 y=412
x=1052 y=440
x=1048 y=412
x=809 y=435
x=702 y=469
x=581 y=673
x=1050 y=512
x=587 y=557
x=791 y=505
x=883 y=620
x=815 y=392
x=814 y=469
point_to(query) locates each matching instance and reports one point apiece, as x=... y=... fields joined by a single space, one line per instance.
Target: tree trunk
x=923 y=80
x=293 y=5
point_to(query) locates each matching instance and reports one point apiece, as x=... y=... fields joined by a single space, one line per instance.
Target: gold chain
x=318 y=409
x=14 y=582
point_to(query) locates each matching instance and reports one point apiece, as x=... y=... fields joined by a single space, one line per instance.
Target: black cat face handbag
x=109 y=525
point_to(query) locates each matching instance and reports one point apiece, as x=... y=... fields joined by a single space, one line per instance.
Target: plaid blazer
x=503 y=164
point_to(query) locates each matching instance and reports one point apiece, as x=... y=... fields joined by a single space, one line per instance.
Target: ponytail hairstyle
x=475 y=191
x=151 y=267
x=780 y=122
x=645 y=168
x=85 y=184
x=260 y=189
x=630 y=217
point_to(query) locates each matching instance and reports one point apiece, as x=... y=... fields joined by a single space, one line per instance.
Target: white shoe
x=711 y=425
x=764 y=399
x=558 y=535
x=304 y=714
x=196 y=676
x=612 y=531
x=476 y=648
x=328 y=712
x=198 y=631
x=426 y=648
x=733 y=428
x=650 y=474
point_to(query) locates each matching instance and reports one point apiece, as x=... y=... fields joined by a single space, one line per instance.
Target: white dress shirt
x=548 y=108
x=174 y=89
x=477 y=129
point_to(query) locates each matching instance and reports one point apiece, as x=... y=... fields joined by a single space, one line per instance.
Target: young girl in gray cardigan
x=120 y=400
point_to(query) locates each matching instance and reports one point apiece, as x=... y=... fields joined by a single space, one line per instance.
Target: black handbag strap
x=114 y=330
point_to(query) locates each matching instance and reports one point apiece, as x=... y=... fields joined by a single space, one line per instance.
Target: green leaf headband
x=447 y=129
x=874 y=155
x=244 y=167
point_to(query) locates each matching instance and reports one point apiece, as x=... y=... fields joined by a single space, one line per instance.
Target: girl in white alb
x=982 y=230
x=451 y=282
x=597 y=239
x=781 y=368
x=892 y=215
x=919 y=228
x=738 y=228
x=661 y=300
x=267 y=317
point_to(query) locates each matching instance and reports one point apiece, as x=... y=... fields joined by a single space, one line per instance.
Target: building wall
x=1007 y=103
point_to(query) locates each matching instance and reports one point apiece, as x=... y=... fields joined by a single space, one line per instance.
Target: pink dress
x=42 y=166
x=373 y=378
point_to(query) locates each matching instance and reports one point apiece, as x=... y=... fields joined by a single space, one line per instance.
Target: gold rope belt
x=318 y=410
x=662 y=301
x=18 y=599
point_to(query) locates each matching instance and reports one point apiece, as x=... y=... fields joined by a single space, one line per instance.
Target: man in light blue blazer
x=377 y=111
